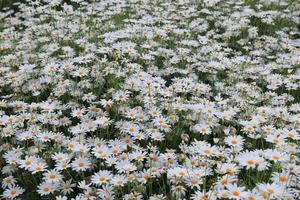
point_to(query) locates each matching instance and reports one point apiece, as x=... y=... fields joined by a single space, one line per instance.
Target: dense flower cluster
x=150 y=99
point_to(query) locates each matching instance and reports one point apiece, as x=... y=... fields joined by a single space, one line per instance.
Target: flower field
x=150 y=99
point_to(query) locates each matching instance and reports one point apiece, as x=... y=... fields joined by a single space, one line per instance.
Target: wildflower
x=8 y=182
x=46 y=188
x=119 y=180
x=249 y=160
x=66 y=187
x=203 y=129
x=178 y=191
x=236 y=192
x=80 y=164
x=271 y=190
x=12 y=192
x=101 y=177
x=235 y=141
x=52 y=176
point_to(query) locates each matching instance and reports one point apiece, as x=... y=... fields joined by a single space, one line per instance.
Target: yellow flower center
x=234 y=141
x=181 y=173
x=81 y=164
x=120 y=182
x=235 y=193
x=207 y=151
x=282 y=178
x=224 y=182
x=275 y=157
x=52 y=176
x=270 y=190
x=13 y=192
x=250 y=162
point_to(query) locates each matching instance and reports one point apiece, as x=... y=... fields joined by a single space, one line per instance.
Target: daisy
x=121 y=96
x=106 y=103
x=78 y=112
x=106 y=193
x=12 y=192
x=276 y=139
x=145 y=175
x=38 y=166
x=52 y=176
x=132 y=129
x=207 y=150
x=158 y=197
x=59 y=157
x=156 y=135
x=155 y=112
x=119 y=180
x=203 y=129
x=281 y=178
x=224 y=181
x=253 y=196
x=236 y=192
x=249 y=160
x=178 y=191
x=138 y=156
x=276 y=156
x=101 y=152
x=45 y=136
x=292 y=134
x=125 y=166
x=160 y=121
x=80 y=164
x=193 y=182
x=62 y=165
x=80 y=72
x=228 y=168
x=165 y=127
x=177 y=172
x=8 y=182
x=61 y=197
x=46 y=188
x=271 y=190
x=101 y=177
x=203 y=195
x=66 y=187
x=235 y=141
x=84 y=186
